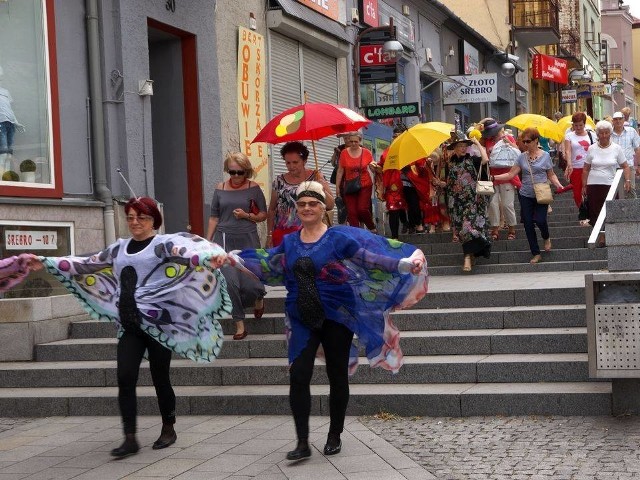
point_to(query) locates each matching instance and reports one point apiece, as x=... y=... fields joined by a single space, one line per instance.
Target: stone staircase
x=492 y=345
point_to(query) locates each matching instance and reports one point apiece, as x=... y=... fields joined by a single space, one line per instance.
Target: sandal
x=535 y=259
x=466 y=267
x=512 y=234
x=241 y=336
x=547 y=245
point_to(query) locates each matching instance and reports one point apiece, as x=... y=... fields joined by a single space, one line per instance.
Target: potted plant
x=28 y=171
x=10 y=176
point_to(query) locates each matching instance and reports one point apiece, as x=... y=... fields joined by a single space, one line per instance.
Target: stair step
x=522 y=267
x=438 y=342
x=451 y=400
x=544 y=367
x=556 y=255
x=414 y=319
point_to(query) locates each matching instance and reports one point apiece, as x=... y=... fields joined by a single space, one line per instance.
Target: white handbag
x=503 y=155
x=484 y=187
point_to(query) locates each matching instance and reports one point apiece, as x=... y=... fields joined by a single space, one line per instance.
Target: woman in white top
x=600 y=165
x=576 y=144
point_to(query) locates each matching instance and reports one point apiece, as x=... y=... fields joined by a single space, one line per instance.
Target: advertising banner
x=328 y=8
x=474 y=89
x=369 y=12
x=251 y=102
x=546 y=67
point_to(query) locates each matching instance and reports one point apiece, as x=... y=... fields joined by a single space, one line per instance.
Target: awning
x=439 y=77
x=307 y=15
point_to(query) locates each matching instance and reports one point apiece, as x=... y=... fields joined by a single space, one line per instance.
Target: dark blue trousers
x=532 y=213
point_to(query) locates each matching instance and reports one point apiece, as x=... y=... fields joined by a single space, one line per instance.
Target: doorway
x=175 y=127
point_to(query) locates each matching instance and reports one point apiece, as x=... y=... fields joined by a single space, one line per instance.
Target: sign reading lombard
x=479 y=88
x=389 y=111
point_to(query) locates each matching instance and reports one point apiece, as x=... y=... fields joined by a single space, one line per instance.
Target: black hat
x=490 y=128
x=460 y=137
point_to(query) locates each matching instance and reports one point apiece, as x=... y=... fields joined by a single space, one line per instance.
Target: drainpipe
x=97 y=121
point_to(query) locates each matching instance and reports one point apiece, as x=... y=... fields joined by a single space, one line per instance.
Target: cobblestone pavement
x=514 y=448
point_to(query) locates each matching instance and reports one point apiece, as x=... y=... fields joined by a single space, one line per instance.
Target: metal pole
x=97 y=120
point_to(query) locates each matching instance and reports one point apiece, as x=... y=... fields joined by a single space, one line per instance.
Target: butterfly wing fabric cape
x=358 y=284
x=179 y=299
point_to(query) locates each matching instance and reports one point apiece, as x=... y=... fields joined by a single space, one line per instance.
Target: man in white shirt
x=629 y=140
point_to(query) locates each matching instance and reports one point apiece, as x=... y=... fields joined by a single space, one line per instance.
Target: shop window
x=28 y=149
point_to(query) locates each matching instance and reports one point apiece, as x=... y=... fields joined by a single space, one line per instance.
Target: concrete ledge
x=623 y=211
x=26 y=322
x=623 y=258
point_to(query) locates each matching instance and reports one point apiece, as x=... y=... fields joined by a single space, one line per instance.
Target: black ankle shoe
x=333 y=445
x=167 y=437
x=302 y=451
x=128 y=447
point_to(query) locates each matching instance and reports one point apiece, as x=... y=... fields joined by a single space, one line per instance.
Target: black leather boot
x=302 y=451
x=167 y=437
x=129 y=447
x=333 y=445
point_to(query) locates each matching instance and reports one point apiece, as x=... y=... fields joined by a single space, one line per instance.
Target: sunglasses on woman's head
x=236 y=172
x=311 y=203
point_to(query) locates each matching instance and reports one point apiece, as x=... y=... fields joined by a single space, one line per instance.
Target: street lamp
x=392 y=47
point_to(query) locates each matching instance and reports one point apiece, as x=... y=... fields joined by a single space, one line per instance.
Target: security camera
x=513 y=58
x=507 y=69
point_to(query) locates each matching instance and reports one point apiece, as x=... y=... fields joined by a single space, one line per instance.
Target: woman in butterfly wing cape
x=165 y=295
x=340 y=281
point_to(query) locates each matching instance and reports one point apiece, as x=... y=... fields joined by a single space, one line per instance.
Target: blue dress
x=354 y=281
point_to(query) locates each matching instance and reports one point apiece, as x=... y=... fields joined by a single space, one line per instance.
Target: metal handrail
x=616 y=188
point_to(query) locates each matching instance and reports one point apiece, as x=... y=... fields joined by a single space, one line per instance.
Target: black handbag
x=353 y=186
x=583 y=211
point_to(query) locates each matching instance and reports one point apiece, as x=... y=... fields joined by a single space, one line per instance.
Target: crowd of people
x=167 y=292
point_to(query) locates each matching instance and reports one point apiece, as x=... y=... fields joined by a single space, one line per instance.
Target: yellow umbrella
x=545 y=126
x=416 y=143
x=565 y=122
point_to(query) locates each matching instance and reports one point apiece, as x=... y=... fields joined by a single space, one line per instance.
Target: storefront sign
x=31 y=239
x=389 y=111
x=369 y=12
x=569 y=96
x=404 y=27
x=471 y=59
x=328 y=8
x=251 y=101
x=598 y=88
x=372 y=56
x=583 y=91
x=546 y=67
x=474 y=89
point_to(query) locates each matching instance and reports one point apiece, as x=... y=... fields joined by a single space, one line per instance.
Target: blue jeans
x=532 y=213
x=7 y=130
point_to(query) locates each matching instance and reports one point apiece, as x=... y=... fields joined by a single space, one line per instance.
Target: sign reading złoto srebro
x=479 y=88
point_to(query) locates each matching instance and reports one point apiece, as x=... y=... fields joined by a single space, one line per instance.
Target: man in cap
x=629 y=140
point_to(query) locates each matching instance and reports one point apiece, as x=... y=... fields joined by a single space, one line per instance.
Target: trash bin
x=613 y=324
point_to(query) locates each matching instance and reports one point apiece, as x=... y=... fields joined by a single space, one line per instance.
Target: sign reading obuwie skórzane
x=252 y=102
x=480 y=88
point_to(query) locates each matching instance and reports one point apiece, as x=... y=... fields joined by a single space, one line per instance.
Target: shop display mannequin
x=8 y=126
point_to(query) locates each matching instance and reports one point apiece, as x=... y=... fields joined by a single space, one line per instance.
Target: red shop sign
x=546 y=67
x=370 y=12
x=372 y=56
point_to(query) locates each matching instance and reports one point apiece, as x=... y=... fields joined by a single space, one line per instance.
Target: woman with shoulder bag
x=537 y=167
x=467 y=209
x=353 y=182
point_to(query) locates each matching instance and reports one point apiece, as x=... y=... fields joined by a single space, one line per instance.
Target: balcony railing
x=570 y=46
x=536 y=22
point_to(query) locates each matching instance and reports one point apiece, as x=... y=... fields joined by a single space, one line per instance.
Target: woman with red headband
x=165 y=293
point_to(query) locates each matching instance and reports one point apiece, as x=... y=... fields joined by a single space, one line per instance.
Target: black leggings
x=336 y=342
x=131 y=348
x=395 y=217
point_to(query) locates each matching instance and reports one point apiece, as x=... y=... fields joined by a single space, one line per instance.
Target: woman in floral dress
x=468 y=210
